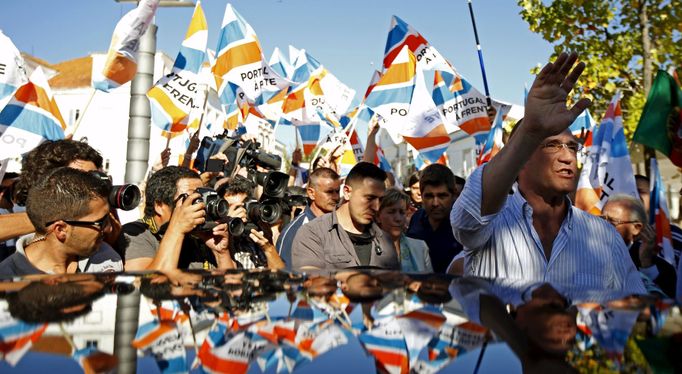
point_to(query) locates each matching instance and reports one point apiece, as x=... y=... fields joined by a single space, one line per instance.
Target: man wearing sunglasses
x=536 y=234
x=627 y=215
x=69 y=209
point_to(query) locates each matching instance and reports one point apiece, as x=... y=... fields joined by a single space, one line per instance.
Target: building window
x=91 y=344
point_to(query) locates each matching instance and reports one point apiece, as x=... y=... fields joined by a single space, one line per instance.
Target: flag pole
x=80 y=118
x=480 y=55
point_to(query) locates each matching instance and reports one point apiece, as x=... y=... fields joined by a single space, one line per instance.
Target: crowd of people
x=512 y=218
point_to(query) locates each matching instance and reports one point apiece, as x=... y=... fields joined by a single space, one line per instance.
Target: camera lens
x=125 y=197
x=270 y=212
x=235 y=227
x=216 y=209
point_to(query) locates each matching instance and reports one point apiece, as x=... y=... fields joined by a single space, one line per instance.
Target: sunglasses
x=98 y=225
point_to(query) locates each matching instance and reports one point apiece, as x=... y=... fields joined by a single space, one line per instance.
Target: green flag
x=660 y=124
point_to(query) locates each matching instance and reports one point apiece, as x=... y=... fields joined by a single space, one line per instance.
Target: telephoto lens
x=124 y=197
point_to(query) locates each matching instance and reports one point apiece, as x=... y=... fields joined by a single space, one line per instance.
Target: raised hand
x=546 y=111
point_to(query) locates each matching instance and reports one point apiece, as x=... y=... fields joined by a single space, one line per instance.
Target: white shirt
x=587 y=253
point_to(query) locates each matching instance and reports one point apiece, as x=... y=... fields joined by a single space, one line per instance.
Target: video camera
x=124 y=197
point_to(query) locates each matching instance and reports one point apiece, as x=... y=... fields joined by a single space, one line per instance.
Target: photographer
x=237 y=192
x=160 y=240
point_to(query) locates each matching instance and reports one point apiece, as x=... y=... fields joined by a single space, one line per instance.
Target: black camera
x=124 y=197
x=215 y=206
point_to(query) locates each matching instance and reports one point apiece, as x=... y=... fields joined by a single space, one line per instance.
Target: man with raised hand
x=536 y=233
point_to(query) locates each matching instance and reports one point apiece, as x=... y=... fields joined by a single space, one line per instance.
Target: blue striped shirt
x=587 y=253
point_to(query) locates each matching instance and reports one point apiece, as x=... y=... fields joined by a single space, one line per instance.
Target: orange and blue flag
x=462 y=106
x=387 y=345
x=121 y=63
x=165 y=343
x=240 y=59
x=178 y=93
x=30 y=117
x=659 y=216
x=607 y=169
x=403 y=35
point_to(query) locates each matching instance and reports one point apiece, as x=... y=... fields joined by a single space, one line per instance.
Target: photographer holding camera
x=176 y=231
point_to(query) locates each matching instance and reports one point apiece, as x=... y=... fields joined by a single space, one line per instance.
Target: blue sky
x=348 y=37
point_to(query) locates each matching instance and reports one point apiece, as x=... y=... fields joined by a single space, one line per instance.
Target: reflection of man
x=627 y=215
x=323 y=195
x=348 y=236
x=70 y=212
x=536 y=234
x=430 y=223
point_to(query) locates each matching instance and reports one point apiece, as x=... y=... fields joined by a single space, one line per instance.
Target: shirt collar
x=520 y=205
x=374 y=229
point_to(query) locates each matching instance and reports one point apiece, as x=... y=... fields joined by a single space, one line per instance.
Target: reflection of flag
x=240 y=59
x=450 y=343
x=176 y=94
x=610 y=328
x=403 y=35
x=660 y=125
x=607 y=169
x=659 y=215
x=235 y=355
x=461 y=105
x=12 y=72
x=386 y=344
x=30 y=117
x=418 y=328
x=164 y=341
x=121 y=64
x=17 y=337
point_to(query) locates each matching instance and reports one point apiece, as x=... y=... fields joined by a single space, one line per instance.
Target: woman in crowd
x=413 y=253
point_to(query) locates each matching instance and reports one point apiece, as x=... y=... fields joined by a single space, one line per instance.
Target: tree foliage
x=607 y=35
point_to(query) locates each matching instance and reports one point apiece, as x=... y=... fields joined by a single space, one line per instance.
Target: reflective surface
x=351 y=321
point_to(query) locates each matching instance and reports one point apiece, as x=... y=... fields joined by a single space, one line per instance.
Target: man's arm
x=307 y=252
x=545 y=115
x=15 y=225
x=371 y=146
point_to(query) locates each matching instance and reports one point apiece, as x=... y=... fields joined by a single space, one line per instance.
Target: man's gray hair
x=632 y=204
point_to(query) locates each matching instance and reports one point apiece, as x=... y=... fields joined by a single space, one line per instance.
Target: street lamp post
x=137 y=159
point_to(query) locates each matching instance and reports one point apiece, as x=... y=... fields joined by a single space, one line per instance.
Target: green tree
x=622 y=42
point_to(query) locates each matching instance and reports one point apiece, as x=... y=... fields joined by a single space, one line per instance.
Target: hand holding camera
x=188 y=214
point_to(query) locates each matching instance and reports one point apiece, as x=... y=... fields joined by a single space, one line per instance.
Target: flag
x=178 y=93
x=381 y=161
x=279 y=64
x=165 y=343
x=121 y=63
x=493 y=143
x=310 y=136
x=660 y=126
x=338 y=97
x=582 y=127
x=403 y=35
x=304 y=67
x=607 y=169
x=659 y=216
x=17 y=337
x=12 y=70
x=462 y=105
x=391 y=96
x=373 y=82
x=451 y=342
x=30 y=117
x=240 y=59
